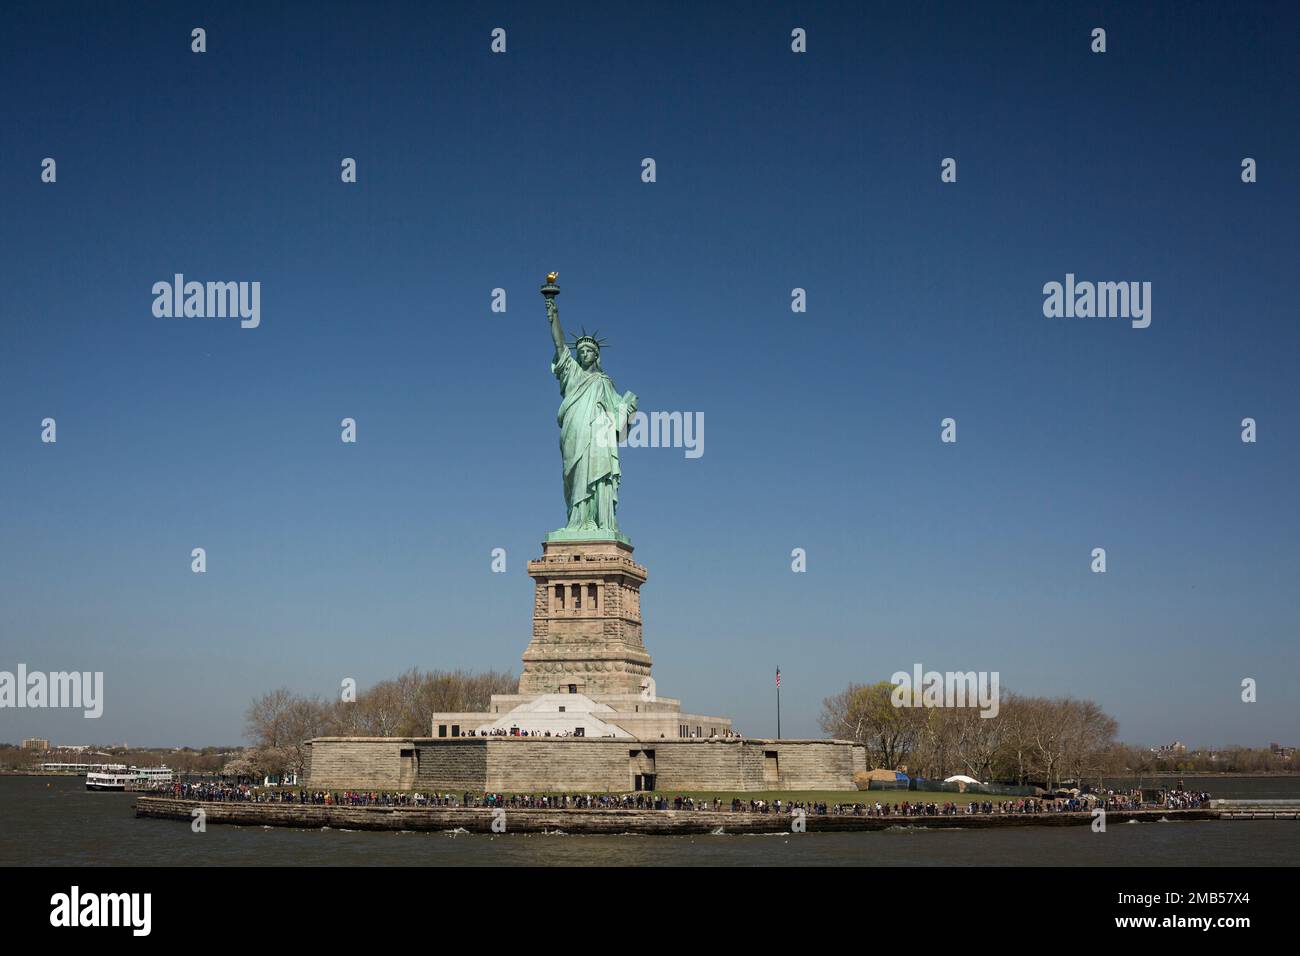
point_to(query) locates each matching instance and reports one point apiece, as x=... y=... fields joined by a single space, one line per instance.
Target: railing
x=1257 y=809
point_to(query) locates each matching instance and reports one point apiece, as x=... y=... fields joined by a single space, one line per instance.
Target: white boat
x=135 y=778
x=152 y=776
x=112 y=780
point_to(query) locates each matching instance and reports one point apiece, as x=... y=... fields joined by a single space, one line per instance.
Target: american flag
x=778 y=677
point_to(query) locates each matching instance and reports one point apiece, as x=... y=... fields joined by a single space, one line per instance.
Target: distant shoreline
x=41 y=773
x=1203 y=773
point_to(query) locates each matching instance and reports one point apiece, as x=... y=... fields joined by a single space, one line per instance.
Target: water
x=56 y=821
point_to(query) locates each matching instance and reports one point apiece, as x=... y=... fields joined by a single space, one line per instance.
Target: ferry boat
x=108 y=780
x=135 y=778
x=147 y=777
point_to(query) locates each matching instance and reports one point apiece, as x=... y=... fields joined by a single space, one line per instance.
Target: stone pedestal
x=586 y=620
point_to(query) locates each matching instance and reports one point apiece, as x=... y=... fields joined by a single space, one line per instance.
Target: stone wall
x=569 y=764
x=816 y=764
x=453 y=764
x=357 y=762
x=575 y=764
x=707 y=765
x=748 y=765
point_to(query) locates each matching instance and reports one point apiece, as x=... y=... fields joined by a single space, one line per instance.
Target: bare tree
x=280 y=723
x=1048 y=734
x=404 y=706
x=865 y=714
x=1088 y=739
x=266 y=722
x=1016 y=758
x=979 y=740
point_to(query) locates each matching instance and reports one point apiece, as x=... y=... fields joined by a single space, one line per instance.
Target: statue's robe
x=591 y=417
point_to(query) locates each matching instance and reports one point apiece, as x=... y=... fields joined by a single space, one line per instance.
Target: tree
x=865 y=714
x=1088 y=739
x=280 y=723
x=1046 y=728
x=404 y=706
x=979 y=741
x=1016 y=758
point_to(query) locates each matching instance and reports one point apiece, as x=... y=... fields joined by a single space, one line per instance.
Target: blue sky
x=774 y=171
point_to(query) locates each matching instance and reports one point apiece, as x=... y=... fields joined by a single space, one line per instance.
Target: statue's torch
x=549 y=289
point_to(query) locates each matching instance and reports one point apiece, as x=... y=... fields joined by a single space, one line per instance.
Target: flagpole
x=778 y=703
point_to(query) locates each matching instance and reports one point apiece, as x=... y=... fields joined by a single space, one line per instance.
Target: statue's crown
x=592 y=337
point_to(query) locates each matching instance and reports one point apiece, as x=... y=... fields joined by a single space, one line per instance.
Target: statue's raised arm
x=550 y=290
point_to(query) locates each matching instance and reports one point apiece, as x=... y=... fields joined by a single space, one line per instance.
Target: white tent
x=961 y=778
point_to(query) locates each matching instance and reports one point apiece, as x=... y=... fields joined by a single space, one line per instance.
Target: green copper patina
x=592 y=415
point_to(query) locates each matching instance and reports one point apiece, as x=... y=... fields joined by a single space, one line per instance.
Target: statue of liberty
x=592 y=417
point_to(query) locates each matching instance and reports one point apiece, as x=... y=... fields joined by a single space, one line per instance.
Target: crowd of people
x=1185 y=800
x=219 y=792
x=516 y=732
x=577 y=732
x=905 y=808
x=1110 y=800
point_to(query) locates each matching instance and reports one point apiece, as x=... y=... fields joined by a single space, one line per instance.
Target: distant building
x=36 y=743
x=82 y=767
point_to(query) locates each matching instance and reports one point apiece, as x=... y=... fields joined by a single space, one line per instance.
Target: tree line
x=1042 y=740
x=280 y=723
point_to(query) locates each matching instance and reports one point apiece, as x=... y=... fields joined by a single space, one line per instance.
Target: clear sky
x=775 y=170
